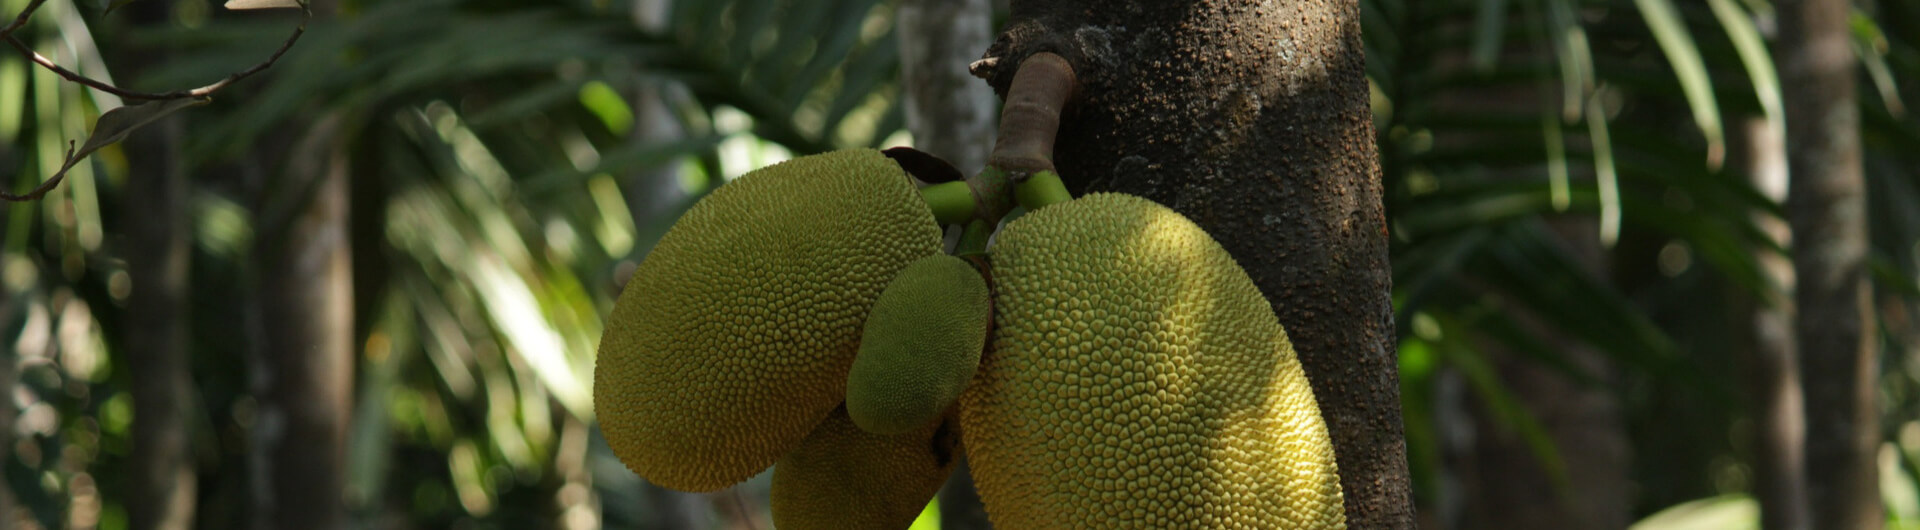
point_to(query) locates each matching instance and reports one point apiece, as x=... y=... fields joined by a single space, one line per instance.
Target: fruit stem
x=1029 y=121
x=952 y=202
x=973 y=239
x=1041 y=189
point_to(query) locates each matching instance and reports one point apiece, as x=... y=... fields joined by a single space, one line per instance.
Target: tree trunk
x=163 y=490
x=303 y=372
x=1252 y=119
x=164 y=482
x=950 y=113
x=1772 y=358
x=951 y=116
x=1827 y=210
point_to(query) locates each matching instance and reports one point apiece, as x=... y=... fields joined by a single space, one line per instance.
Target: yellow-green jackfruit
x=734 y=337
x=844 y=478
x=1138 y=379
x=921 y=345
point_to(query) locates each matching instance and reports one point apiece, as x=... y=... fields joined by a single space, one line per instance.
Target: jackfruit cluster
x=1106 y=364
x=1138 y=379
x=733 y=340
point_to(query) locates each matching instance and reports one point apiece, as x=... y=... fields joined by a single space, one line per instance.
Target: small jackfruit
x=734 y=337
x=844 y=478
x=1138 y=379
x=921 y=345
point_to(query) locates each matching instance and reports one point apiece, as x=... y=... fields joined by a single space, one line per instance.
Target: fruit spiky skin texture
x=921 y=345
x=1138 y=379
x=734 y=337
x=845 y=478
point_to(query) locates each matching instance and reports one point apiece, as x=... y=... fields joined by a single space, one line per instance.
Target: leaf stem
x=44 y=186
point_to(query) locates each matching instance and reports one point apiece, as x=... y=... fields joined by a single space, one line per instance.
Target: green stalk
x=952 y=202
x=1041 y=189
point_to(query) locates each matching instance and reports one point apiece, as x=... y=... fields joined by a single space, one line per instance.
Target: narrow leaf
x=116 y=4
x=1870 y=44
x=262 y=4
x=1664 y=20
x=1753 y=53
x=116 y=124
x=1575 y=58
x=112 y=127
x=1489 y=31
x=1557 y=174
x=1604 y=176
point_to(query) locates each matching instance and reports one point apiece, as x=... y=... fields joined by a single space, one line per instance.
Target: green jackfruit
x=921 y=345
x=1137 y=379
x=844 y=478
x=734 y=337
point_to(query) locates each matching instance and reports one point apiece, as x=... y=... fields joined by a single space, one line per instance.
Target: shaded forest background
x=406 y=235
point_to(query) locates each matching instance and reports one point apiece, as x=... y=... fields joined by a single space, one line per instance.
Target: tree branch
x=44 y=186
x=21 y=20
x=306 y=15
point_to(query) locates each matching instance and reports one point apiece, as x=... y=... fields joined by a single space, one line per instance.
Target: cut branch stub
x=1041 y=90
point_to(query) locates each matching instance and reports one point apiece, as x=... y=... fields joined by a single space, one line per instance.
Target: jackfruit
x=844 y=478
x=921 y=345
x=1137 y=378
x=734 y=337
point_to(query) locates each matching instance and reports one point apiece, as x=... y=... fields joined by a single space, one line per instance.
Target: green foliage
x=512 y=160
x=1484 y=194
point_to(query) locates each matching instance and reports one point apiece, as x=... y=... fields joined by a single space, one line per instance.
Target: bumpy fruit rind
x=845 y=478
x=1137 y=378
x=734 y=337
x=921 y=345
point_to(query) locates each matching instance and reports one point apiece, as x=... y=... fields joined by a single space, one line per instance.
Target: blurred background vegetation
x=1583 y=195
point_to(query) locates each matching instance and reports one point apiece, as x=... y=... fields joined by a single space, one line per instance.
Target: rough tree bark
x=1772 y=357
x=1827 y=209
x=163 y=492
x=1252 y=119
x=303 y=373
x=951 y=116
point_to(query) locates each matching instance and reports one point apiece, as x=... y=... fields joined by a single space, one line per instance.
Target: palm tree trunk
x=165 y=484
x=164 y=490
x=1827 y=209
x=950 y=113
x=303 y=373
x=1772 y=355
x=1252 y=119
